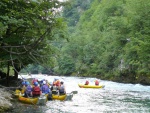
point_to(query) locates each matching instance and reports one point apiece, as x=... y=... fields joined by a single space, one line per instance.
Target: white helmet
x=44 y=82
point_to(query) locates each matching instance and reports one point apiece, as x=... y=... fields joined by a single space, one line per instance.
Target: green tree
x=137 y=49
x=73 y=11
x=27 y=29
x=111 y=39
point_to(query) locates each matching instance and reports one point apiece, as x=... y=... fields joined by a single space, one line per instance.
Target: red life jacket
x=87 y=83
x=34 y=80
x=36 y=90
x=96 y=82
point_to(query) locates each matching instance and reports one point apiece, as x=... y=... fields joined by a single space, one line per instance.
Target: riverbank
x=5 y=100
x=6 y=94
x=144 y=80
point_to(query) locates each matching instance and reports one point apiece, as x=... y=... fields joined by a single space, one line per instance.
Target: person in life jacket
x=86 y=82
x=56 y=82
x=23 y=84
x=44 y=88
x=62 y=89
x=23 y=87
x=41 y=82
x=50 y=85
x=34 y=80
x=54 y=88
x=36 y=91
x=28 y=90
x=96 y=82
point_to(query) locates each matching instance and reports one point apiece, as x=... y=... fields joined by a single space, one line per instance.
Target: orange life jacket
x=57 y=83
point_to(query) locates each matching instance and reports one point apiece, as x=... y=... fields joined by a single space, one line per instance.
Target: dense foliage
x=73 y=11
x=107 y=39
x=111 y=39
x=28 y=29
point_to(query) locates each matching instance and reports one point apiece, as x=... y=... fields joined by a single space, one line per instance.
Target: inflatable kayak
x=44 y=98
x=18 y=92
x=28 y=100
x=67 y=96
x=31 y=100
x=59 y=97
x=90 y=86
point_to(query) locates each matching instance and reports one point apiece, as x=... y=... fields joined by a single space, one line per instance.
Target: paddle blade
x=74 y=92
x=42 y=100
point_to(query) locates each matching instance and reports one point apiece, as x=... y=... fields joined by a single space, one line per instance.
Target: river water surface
x=113 y=98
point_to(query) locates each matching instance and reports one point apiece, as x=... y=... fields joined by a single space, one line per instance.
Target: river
x=113 y=98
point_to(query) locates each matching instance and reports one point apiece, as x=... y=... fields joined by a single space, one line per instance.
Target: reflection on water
x=114 y=98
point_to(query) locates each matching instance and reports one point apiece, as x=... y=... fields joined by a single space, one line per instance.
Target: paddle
x=74 y=92
x=70 y=95
x=42 y=99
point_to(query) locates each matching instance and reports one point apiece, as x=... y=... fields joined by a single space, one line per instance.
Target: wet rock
x=5 y=99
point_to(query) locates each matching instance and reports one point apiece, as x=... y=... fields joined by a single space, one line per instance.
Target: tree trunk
x=16 y=74
x=16 y=71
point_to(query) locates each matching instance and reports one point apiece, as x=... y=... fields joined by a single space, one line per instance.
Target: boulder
x=5 y=98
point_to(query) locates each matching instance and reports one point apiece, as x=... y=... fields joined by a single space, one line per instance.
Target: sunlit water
x=113 y=98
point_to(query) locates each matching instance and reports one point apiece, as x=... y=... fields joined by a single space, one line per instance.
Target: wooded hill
x=102 y=38
x=108 y=39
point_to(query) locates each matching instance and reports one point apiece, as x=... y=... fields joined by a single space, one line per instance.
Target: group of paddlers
x=96 y=82
x=37 y=88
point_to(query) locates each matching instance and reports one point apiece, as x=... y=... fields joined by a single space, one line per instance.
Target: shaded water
x=114 y=98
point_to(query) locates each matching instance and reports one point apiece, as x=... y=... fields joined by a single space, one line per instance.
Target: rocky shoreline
x=6 y=94
x=5 y=100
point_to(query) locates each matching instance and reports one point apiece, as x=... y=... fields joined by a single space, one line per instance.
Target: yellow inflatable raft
x=90 y=86
x=18 y=92
x=28 y=100
x=59 y=97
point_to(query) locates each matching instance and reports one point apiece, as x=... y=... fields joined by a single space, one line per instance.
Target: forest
x=105 y=39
